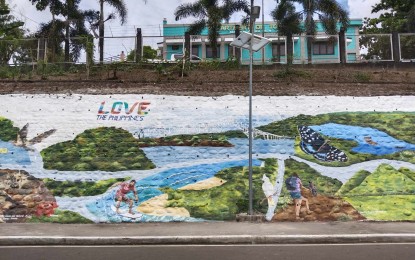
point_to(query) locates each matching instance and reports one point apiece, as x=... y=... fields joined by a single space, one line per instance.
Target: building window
x=195 y=50
x=275 y=49
x=175 y=47
x=323 y=48
x=209 y=52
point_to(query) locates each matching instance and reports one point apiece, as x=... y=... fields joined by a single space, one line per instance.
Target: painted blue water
x=147 y=188
x=164 y=155
x=14 y=154
x=381 y=142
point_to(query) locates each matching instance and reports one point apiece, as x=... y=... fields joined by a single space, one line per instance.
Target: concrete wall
x=64 y=158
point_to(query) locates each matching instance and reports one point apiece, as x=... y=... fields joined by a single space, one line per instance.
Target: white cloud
x=362 y=8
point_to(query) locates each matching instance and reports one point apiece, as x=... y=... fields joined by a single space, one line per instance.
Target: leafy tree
x=149 y=53
x=10 y=31
x=209 y=14
x=288 y=24
x=397 y=15
x=64 y=30
x=329 y=13
x=121 y=9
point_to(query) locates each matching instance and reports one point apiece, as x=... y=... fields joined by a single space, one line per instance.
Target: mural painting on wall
x=130 y=158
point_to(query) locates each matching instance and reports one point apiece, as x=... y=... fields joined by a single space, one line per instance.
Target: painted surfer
x=123 y=195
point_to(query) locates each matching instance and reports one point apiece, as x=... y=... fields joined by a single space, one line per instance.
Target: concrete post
x=187 y=50
x=139 y=46
x=395 y=47
x=342 y=45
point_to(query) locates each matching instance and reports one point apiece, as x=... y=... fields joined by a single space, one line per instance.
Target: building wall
x=63 y=158
x=174 y=33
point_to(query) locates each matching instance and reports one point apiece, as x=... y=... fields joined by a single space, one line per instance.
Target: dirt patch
x=323 y=208
x=362 y=80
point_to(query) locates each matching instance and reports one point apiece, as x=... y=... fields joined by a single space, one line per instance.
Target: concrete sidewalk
x=207 y=233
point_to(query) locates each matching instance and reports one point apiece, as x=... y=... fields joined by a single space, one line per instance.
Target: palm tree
x=209 y=14
x=121 y=9
x=64 y=30
x=288 y=24
x=329 y=13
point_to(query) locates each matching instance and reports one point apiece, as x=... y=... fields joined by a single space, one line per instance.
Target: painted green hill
x=386 y=194
x=225 y=201
x=7 y=131
x=385 y=180
x=207 y=139
x=325 y=185
x=80 y=188
x=397 y=124
x=104 y=148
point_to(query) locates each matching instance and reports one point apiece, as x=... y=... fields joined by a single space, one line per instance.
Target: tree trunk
x=290 y=49
x=67 y=42
x=309 y=47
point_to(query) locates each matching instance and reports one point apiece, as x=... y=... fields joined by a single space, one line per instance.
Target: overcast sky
x=149 y=16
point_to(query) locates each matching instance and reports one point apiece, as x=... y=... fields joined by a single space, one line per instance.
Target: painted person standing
x=294 y=186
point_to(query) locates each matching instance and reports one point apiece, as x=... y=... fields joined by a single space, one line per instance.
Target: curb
x=207 y=240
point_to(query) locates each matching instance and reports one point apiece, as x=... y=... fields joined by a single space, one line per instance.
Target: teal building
x=325 y=48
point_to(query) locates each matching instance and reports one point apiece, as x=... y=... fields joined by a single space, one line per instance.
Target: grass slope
x=7 y=131
x=225 y=201
x=386 y=194
x=78 y=188
x=324 y=184
x=62 y=217
x=104 y=148
x=397 y=124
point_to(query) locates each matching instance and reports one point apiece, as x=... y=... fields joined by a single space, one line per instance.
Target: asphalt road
x=382 y=251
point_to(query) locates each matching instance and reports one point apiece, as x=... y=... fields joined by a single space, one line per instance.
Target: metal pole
x=252 y=21
x=263 y=32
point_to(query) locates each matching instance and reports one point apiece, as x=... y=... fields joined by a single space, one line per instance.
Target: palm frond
x=196 y=10
x=120 y=7
x=197 y=27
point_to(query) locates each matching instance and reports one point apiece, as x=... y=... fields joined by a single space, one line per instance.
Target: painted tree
x=329 y=12
x=10 y=31
x=209 y=14
x=288 y=24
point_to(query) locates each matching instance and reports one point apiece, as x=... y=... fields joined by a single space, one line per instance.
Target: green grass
x=61 y=217
x=78 y=188
x=7 y=131
x=225 y=201
x=386 y=194
x=104 y=148
x=325 y=185
x=208 y=139
x=385 y=208
x=397 y=124
x=385 y=180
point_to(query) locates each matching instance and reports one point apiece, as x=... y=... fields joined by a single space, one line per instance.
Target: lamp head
x=255 y=12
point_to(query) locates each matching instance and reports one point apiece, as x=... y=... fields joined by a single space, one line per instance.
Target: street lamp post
x=255 y=10
x=250 y=42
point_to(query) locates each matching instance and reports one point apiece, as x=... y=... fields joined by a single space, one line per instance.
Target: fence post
x=237 y=50
x=41 y=49
x=342 y=45
x=139 y=47
x=187 y=50
x=395 y=47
